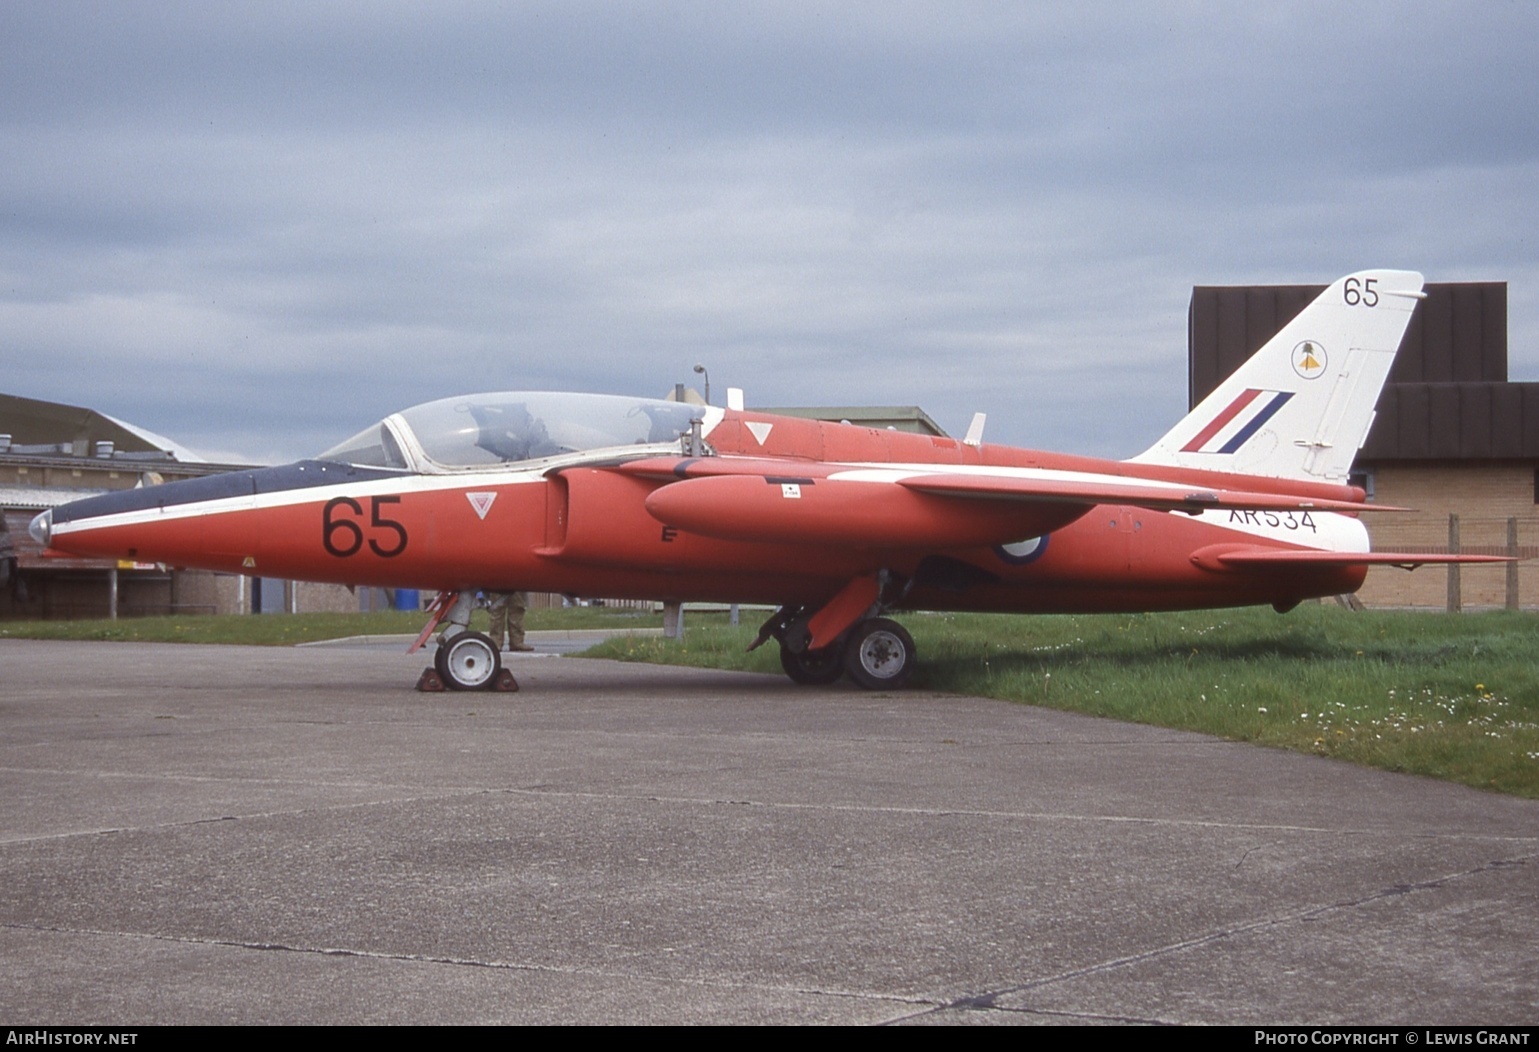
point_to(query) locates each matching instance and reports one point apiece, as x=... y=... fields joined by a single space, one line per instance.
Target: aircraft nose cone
x=42 y=528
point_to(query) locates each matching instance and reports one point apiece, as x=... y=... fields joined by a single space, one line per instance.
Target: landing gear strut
x=464 y=660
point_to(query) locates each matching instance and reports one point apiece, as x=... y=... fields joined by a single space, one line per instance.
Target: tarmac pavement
x=201 y=834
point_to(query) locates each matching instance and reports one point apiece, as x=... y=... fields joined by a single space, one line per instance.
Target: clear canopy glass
x=510 y=427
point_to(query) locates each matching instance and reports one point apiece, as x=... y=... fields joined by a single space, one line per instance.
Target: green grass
x=1455 y=697
x=289 y=629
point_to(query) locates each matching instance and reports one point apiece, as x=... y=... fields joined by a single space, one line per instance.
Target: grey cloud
x=261 y=228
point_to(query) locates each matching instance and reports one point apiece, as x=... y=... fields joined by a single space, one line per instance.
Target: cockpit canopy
x=511 y=427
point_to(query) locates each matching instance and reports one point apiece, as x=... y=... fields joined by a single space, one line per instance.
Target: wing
x=908 y=506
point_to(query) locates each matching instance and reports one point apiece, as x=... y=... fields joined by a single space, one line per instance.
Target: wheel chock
x=430 y=682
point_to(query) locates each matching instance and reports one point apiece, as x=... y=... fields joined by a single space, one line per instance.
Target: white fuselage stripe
x=304 y=495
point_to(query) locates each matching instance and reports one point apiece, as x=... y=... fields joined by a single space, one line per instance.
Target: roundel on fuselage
x=1019 y=553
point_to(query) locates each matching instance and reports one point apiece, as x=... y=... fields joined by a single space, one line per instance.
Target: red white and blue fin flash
x=1238 y=421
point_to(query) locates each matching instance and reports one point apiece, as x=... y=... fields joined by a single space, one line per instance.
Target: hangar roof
x=34 y=425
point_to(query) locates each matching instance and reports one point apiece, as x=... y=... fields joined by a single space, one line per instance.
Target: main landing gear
x=875 y=652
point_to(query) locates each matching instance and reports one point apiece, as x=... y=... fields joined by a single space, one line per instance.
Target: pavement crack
x=924 y=1003
x=989 y=1000
x=985 y=1003
x=406 y=796
x=965 y=812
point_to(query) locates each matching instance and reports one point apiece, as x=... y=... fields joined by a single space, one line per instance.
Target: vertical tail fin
x=1301 y=406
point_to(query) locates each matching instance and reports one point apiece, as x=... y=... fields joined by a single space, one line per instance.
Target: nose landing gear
x=464 y=660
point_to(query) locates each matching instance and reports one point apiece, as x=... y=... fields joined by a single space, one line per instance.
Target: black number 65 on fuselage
x=335 y=523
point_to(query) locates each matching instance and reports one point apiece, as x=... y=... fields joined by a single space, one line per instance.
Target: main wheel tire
x=813 y=668
x=880 y=655
x=468 y=661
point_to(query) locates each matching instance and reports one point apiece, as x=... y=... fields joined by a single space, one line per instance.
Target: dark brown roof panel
x=1456 y=421
x=1530 y=425
x=1507 y=420
x=1443 y=420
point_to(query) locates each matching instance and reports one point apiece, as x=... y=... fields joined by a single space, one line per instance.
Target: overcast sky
x=257 y=229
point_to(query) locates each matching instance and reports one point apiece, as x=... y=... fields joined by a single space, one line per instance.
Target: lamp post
x=702 y=371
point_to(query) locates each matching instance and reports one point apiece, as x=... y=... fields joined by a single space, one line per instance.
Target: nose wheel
x=467 y=661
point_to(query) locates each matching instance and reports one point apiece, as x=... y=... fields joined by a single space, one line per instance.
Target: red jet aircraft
x=1245 y=501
